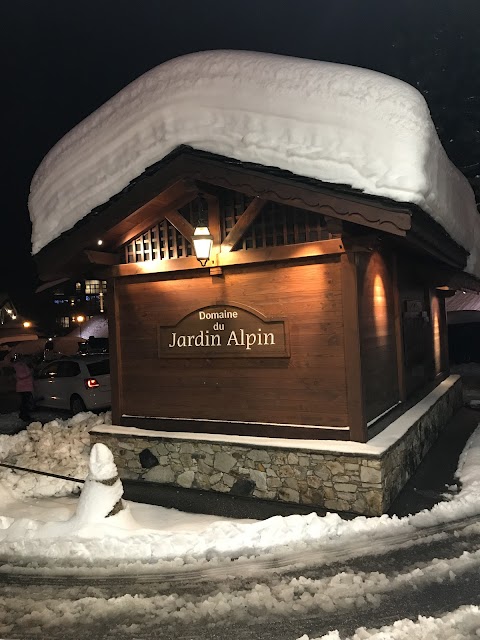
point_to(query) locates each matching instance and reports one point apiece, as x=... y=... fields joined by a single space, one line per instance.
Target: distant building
x=14 y=328
x=8 y=312
x=71 y=303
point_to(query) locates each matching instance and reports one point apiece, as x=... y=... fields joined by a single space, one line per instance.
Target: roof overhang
x=178 y=178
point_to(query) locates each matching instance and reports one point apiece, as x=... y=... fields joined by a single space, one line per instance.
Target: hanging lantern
x=202 y=239
x=202 y=243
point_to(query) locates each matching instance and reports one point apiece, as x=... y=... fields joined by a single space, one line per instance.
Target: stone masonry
x=351 y=482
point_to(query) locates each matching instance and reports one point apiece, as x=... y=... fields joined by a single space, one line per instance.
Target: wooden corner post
x=402 y=390
x=353 y=363
x=116 y=379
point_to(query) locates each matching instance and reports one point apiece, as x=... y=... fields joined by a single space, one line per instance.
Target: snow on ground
x=159 y=537
x=332 y=122
x=462 y=624
x=300 y=597
x=57 y=532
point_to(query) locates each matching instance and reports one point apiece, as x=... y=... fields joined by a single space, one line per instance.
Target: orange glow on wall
x=437 y=343
x=380 y=306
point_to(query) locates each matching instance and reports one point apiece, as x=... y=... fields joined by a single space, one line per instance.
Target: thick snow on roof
x=322 y=120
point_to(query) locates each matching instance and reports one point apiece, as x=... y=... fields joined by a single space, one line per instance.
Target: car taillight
x=91 y=383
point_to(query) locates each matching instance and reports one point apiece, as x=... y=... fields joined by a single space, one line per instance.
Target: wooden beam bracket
x=243 y=224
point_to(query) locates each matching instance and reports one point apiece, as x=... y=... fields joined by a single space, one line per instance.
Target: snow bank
x=332 y=122
x=60 y=446
x=461 y=624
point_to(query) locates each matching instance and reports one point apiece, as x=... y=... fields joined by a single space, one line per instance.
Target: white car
x=78 y=383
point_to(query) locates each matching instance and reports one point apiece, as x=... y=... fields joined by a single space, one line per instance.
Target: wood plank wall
x=416 y=325
x=378 y=342
x=309 y=388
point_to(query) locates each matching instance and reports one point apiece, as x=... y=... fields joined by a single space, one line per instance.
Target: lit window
x=92 y=286
x=78 y=286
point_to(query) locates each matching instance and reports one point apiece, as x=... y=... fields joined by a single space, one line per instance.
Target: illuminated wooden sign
x=224 y=331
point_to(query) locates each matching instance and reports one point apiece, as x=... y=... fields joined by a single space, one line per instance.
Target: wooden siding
x=378 y=343
x=414 y=298
x=351 y=337
x=309 y=388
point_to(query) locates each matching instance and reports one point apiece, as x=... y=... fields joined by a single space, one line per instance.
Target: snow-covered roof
x=463 y=301
x=332 y=122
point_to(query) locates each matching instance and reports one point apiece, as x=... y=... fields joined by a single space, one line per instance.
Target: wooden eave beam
x=294 y=193
x=308 y=250
x=429 y=237
x=454 y=279
x=101 y=257
x=115 y=217
x=242 y=225
x=130 y=212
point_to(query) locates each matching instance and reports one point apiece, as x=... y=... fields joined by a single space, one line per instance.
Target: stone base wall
x=401 y=460
x=364 y=483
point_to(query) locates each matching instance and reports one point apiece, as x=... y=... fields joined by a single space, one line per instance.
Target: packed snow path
x=436 y=575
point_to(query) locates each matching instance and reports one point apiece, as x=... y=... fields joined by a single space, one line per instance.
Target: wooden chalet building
x=305 y=359
x=320 y=315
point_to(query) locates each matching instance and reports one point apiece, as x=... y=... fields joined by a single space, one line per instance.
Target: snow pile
x=465 y=503
x=462 y=624
x=100 y=499
x=327 y=121
x=102 y=492
x=469 y=465
x=59 y=446
x=164 y=544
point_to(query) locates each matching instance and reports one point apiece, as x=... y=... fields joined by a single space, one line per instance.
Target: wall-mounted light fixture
x=202 y=239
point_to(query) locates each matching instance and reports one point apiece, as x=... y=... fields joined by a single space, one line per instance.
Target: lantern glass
x=202 y=243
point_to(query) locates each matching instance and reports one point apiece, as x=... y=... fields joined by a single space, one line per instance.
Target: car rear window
x=99 y=368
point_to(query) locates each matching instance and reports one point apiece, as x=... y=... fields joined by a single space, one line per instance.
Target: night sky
x=61 y=60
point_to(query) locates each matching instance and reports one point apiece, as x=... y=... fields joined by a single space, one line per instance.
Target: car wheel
x=77 y=405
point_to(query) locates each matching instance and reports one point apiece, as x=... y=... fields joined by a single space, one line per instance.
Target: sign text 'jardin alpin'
x=224 y=331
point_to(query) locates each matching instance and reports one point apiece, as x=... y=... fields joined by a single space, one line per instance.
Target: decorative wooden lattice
x=276 y=225
x=163 y=241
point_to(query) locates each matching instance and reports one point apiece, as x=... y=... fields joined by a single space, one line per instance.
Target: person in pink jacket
x=23 y=386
